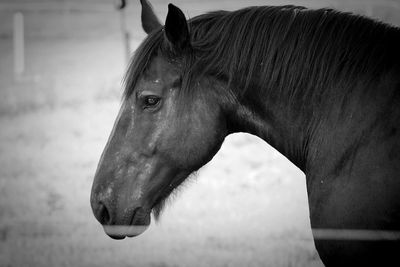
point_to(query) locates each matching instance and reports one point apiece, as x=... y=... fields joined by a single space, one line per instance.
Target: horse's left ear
x=150 y=21
x=176 y=28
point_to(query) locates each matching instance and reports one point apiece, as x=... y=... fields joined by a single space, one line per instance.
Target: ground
x=247 y=207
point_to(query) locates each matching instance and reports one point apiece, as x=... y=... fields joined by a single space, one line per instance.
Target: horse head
x=161 y=135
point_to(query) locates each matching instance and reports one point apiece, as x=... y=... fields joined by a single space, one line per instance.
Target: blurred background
x=61 y=67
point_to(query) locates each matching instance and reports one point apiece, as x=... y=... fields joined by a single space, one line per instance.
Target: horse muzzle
x=130 y=223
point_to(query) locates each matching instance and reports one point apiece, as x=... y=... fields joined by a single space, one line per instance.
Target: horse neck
x=312 y=130
x=276 y=123
x=289 y=95
x=305 y=115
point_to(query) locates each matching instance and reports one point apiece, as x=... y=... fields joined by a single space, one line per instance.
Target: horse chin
x=119 y=232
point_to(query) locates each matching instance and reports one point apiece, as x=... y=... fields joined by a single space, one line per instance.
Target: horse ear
x=150 y=21
x=176 y=28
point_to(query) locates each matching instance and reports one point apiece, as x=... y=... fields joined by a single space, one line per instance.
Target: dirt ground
x=248 y=207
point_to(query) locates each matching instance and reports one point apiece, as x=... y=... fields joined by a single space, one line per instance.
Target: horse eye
x=151 y=101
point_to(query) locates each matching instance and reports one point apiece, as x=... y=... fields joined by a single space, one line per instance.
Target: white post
x=19 y=57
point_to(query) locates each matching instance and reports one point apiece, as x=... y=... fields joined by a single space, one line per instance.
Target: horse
x=321 y=86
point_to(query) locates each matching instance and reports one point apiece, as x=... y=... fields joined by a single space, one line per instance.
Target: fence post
x=19 y=53
x=125 y=33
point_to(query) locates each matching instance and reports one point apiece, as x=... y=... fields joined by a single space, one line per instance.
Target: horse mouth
x=138 y=223
x=119 y=232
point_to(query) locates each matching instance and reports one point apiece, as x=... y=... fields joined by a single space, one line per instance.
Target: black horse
x=321 y=86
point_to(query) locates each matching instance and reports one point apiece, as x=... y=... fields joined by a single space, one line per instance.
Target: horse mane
x=289 y=51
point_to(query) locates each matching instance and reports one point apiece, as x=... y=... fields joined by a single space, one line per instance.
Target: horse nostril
x=104 y=215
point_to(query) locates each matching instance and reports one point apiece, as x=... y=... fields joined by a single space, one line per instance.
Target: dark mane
x=290 y=51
